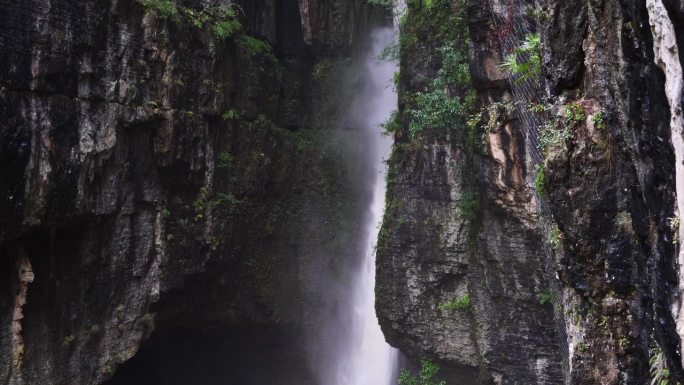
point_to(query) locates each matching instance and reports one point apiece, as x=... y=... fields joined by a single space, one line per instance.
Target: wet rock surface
x=587 y=300
x=166 y=176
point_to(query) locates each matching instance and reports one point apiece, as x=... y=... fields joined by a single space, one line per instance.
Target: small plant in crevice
x=231 y=114
x=599 y=121
x=225 y=159
x=540 y=13
x=426 y=376
x=660 y=373
x=461 y=303
x=68 y=340
x=538 y=108
x=574 y=113
x=582 y=347
x=553 y=133
x=227 y=200
x=152 y=104
x=674 y=226
x=539 y=184
x=555 y=238
x=108 y=369
x=545 y=298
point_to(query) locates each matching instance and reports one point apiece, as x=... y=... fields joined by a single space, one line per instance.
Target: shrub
x=225 y=28
x=435 y=109
x=226 y=23
x=393 y=124
x=455 y=67
x=255 y=47
x=196 y=18
x=165 y=9
x=426 y=376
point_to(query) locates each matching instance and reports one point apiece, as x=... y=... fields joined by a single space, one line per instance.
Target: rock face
x=464 y=225
x=576 y=282
x=176 y=173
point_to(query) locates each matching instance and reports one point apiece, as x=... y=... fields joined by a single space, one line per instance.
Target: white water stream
x=369 y=360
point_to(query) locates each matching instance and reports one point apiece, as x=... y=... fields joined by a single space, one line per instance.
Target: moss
x=461 y=303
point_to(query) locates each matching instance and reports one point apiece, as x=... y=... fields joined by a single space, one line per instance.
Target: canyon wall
x=535 y=241
x=176 y=176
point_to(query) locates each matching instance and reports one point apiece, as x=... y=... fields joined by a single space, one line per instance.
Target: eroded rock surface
x=176 y=170
x=588 y=298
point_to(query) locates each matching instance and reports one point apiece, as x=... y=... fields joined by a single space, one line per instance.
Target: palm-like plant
x=525 y=60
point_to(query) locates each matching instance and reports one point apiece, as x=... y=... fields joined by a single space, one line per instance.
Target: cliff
x=534 y=239
x=176 y=177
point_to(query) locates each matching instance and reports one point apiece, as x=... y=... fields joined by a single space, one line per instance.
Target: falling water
x=369 y=360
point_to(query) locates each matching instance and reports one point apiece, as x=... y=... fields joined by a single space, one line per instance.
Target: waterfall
x=368 y=359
